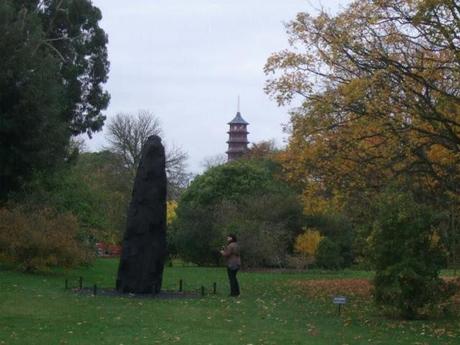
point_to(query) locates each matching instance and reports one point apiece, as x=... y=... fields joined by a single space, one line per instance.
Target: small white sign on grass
x=339 y=301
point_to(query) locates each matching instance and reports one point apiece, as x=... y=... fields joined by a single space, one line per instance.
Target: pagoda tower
x=237 y=138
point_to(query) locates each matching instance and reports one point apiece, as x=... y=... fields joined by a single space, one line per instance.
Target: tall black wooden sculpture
x=144 y=241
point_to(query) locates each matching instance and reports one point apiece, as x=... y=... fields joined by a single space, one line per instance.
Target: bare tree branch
x=127 y=134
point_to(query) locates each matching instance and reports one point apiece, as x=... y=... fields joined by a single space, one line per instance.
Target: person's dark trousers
x=234 y=287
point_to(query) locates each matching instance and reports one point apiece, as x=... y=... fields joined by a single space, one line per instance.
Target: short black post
x=95 y=290
x=214 y=288
x=66 y=284
x=81 y=283
x=156 y=288
x=339 y=308
x=180 y=285
x=202 y=290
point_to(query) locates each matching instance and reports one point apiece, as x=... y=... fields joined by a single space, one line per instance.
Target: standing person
x=232 y=254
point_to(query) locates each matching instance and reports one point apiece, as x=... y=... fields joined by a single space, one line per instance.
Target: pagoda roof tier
x=238 y=132
x=236 y=151
x=238 y=120
x=238 y=140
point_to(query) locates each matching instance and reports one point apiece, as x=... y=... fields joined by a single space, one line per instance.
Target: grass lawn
x=275 y=308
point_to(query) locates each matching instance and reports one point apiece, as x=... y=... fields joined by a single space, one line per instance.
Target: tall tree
x=377 y=95
x=244 y=197
x=54 y=62
x=73 y=35
x=127 y=134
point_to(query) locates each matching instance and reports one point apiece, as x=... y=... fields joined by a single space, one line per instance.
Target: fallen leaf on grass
x=331 y=287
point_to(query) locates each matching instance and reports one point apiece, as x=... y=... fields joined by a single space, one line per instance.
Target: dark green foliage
x=105 y=169
x=194 y=237
x=33 y=130
x=53 y=65
x=64 y=191
x=231 y=182
x=328 y=255
x=80 y=203
x=338 y=229
x=72 y=28
x=407 y=257
x=265 y=226
x=92 y=189
x=242 y=197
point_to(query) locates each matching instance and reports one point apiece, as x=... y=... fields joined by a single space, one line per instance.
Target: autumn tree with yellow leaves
x=375 y=101
x=376 y=97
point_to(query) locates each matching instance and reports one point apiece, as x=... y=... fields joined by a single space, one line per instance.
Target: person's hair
x=233 y=237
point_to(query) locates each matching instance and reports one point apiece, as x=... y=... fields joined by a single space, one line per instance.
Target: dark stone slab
x=144 y=242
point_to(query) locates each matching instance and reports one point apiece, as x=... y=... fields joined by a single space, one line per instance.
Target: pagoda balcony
x=238 y=148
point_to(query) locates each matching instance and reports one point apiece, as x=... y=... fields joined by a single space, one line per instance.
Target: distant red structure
x=108 y=250
x=237 y=138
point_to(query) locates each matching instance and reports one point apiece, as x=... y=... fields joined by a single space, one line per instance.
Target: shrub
x=262 y=244
x=261 y=225
x=41 y=239
x=170 y=211
x=194 y=237
x=308 y=242
x=265 y=225
x=91 y=189
x=328 y=255
x=299 y=262
x=407 y=258
x=337 y=228
x=243 y=197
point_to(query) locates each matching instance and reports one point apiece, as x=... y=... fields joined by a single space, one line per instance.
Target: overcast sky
x=187 y=62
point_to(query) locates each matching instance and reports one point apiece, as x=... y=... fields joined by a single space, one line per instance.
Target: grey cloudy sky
x=187 y=61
